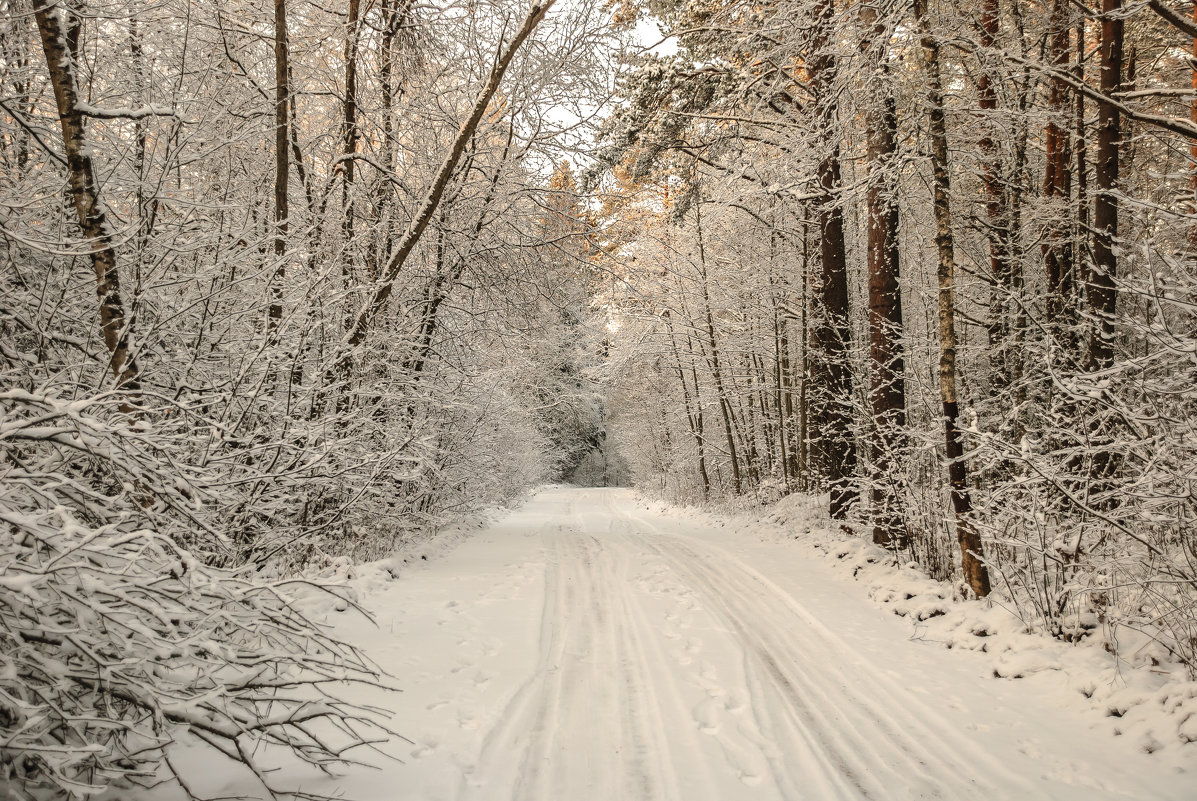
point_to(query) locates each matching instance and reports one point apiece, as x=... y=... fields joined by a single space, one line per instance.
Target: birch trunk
x=59 y=26
x=975 y=572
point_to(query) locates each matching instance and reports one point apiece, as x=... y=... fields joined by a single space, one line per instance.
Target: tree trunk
x=349 y=138
x=693 y=409
x=783 y=406
x=716 y=368
x=785 y=401
x=1081 y=149
x=804 y=386
x=1058 y=256
x=699 y=425
x=1102 y=295
x=997 y=231
x=16 y=51
x=975 y=571
x=281 y=171
x=887 y=390
x=833 y=336
x=140 y=140
x=59 y=26
x=1193 y=145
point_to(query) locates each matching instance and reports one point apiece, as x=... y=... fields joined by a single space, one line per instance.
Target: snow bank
x=352 y=584
x=1121 y=673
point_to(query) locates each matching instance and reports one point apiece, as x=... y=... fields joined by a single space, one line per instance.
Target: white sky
x=649 y=35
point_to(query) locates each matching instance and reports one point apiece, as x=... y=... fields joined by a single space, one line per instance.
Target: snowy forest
x=288 y=285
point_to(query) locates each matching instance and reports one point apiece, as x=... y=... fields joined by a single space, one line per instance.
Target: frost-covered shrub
x=115 y=638
x=1091 y=514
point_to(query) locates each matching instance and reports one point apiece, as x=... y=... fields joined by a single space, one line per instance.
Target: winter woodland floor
x=586 y=648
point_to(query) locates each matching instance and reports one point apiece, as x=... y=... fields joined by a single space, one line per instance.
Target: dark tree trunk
x=1193 y=146
x=837 y=450
x=281 y=163
x=1102 y=294
x=887 y=390
x=716 y=366
x=1058 y=255
x=349 y=136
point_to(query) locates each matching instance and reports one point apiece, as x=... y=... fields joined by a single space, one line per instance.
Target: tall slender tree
x=1101 y=290
x=282 y=171
x=1058 y=252
x=832 y=335
x=976 y=574
x=349 y=134
x=887 y=391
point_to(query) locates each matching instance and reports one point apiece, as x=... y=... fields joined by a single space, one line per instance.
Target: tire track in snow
x=832 y=729
x=623 y=704
x=587 y=723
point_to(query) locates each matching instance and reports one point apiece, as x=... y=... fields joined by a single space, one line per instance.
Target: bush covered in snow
x=114 y=638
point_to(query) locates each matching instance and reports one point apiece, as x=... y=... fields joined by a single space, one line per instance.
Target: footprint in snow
x=706 y=715
x=751 y=779
x=423 y=749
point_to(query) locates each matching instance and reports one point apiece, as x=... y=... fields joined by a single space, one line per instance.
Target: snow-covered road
x=587 y=649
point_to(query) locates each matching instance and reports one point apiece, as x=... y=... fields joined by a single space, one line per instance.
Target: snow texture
x=593 y=646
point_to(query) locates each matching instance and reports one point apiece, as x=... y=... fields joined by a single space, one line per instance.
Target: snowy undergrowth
x=347 y=586
x=1121 y=672
x=357 y=581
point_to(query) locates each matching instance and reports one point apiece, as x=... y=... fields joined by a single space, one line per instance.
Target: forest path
x=587 y=649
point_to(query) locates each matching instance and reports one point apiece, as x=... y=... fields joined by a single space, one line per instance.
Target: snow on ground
x=592 y=647
x=1125 y=676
